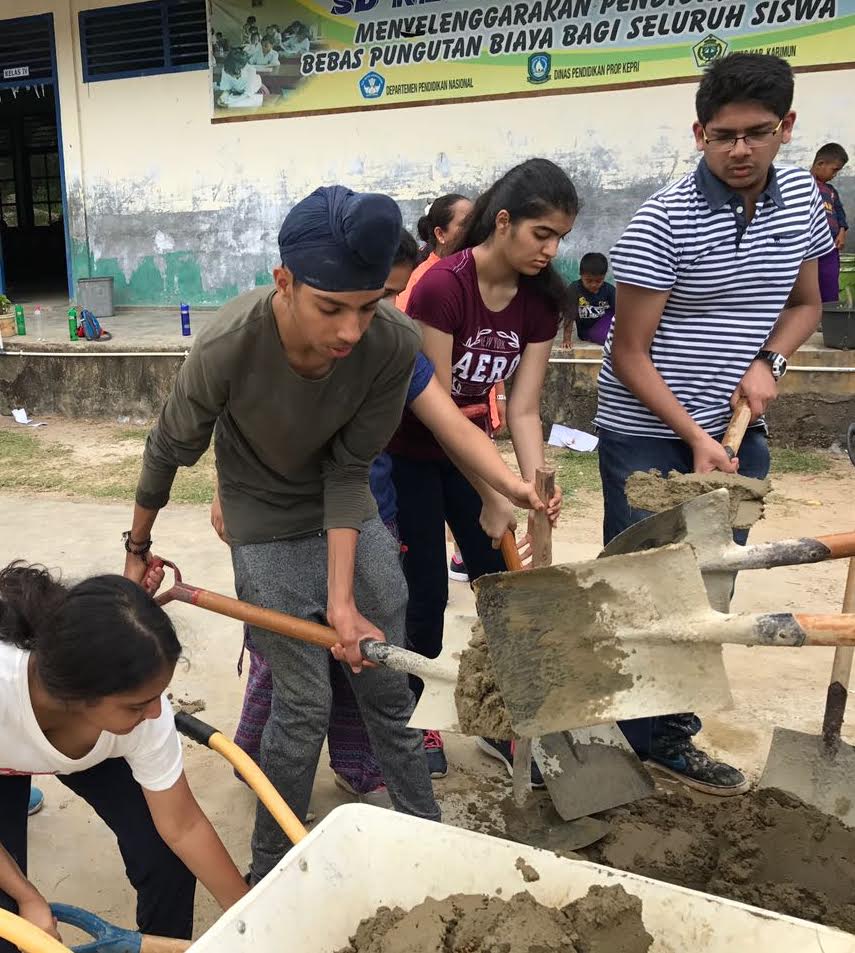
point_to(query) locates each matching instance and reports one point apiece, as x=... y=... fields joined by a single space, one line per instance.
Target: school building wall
x=176 y=208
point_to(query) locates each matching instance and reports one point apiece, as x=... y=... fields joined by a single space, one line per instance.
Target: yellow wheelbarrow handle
x=198 y=731
x=26 y=936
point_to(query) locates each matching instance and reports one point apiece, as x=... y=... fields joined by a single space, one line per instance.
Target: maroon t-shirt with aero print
x=487 y=345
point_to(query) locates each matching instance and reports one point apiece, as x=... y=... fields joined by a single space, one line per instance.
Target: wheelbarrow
x=109 y=938
x=360 y=858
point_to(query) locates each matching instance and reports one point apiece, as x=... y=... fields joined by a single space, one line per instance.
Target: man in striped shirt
x=716 y=287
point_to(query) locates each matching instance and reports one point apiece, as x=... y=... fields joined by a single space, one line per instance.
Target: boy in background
x=830 y=159
x=594 y=300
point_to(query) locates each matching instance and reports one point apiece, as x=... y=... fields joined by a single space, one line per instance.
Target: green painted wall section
x=181 y=278
x=164 y=280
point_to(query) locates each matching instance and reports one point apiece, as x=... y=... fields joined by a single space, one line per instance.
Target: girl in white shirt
x=83 y=671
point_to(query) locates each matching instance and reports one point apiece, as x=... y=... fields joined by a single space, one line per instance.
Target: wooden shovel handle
x=839 y=546
x=739 y=422
x=826 y=629
x=281 y=622
x=510 y=553
x=842 y=668
x=541 y=528
x=163 y=944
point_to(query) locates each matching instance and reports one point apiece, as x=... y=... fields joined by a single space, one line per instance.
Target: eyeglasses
x=751 y=139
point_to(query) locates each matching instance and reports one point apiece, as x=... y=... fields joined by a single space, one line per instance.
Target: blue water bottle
x=185 y=320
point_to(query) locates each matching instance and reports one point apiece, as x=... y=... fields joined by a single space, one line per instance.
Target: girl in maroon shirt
x=488 y=312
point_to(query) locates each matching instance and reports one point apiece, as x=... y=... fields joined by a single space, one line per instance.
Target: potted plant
x=5 y=305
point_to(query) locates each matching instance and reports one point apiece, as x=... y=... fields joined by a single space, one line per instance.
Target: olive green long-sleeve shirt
x=293 y=454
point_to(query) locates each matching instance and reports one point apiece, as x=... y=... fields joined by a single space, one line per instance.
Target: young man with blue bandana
x=303 y=386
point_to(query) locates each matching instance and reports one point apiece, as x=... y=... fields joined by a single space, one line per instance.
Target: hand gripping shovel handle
x=198 y=731
x=281 y=623
x=739 y=422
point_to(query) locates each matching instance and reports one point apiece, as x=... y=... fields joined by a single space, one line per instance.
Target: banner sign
x=286 y=58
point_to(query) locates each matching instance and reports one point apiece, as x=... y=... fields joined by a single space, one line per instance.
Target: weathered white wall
x=176 y=207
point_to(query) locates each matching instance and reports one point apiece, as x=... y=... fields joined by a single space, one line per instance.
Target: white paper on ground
x=20 y=415
x=561 y=436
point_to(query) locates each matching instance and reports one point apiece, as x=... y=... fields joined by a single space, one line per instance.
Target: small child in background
x=594 y=300
x=830 y=159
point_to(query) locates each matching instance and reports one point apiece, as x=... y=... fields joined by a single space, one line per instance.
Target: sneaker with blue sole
x=504 y=751
x=37 y=801
x=696 y=769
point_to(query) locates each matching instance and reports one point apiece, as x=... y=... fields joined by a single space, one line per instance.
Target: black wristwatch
x=777 y=362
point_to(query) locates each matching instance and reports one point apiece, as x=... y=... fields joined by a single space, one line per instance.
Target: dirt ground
x=73 y=856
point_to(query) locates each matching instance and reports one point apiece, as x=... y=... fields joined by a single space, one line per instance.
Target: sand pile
x=480 y=706
x=766 y=848
x=607 y=920
x=651 y=491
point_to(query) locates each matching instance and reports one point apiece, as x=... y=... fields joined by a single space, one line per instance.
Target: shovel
x=624 y=637
x=587 y=770
x=820 y=769
x=704 y=524
x=436 y=706
x=651 y=491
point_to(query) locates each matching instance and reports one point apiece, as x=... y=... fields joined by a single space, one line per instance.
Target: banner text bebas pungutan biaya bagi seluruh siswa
x=367 y=54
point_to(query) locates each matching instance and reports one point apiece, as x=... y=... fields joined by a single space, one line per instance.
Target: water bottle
x=20 y=323
x=38 y=323
x=185 y=320
x=72 y=324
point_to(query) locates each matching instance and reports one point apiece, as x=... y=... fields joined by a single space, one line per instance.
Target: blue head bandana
x=338 y=240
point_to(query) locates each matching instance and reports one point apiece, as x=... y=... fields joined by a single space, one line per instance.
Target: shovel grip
x=739 y=422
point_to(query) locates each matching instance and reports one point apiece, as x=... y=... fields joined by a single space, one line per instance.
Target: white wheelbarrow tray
x=360 y=858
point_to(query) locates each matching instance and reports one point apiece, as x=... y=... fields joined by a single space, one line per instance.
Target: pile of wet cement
x=480 y=706
x=648 y=490
x=607 y=920
x=766 y=848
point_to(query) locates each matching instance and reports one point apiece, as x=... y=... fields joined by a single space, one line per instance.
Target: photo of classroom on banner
x=278 y=57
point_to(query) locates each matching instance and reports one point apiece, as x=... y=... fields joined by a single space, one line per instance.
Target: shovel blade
x=591 y=770
x=582 y=644
x=436 y=709
x=703 y=523
x=801 y=765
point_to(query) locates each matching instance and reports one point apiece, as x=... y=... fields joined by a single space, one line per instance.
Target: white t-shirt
x=152 y=749
x=260 y=58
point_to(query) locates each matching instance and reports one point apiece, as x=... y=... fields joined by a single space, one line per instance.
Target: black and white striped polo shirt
x=729 y=280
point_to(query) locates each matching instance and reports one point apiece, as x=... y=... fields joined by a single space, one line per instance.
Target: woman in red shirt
x=440 y=228
x=488 y=312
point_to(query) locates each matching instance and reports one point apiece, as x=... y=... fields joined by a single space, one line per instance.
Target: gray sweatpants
x=291 y=576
